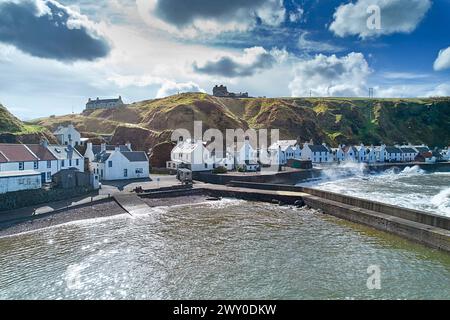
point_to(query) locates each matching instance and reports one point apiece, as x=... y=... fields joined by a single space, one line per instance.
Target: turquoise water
x=229 y=250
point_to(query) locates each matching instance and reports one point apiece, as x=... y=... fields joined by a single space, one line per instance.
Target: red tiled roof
x=16 y=153
x=41 y=152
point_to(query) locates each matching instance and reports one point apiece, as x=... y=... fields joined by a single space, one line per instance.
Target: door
x=43 y=178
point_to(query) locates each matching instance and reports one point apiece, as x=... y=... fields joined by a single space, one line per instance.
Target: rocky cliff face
x=331 y=120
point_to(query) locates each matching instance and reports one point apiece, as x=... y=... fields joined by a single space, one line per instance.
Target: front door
x=43 y=178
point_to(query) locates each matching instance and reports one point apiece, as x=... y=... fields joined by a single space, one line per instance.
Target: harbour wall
x=404 y=213
x=291 y=177
x=426 y=228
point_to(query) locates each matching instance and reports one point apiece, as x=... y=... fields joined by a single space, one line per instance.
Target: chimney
x=128 y=145
x=89 y=154
x=103 y=147
x=44 y=143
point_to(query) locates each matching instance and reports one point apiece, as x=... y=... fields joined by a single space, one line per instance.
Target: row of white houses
x=28 y=166
x=196 y=156
x=109 y=162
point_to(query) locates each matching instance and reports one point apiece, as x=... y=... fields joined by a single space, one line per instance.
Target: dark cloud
x=181 y=12
x=46 y=29
x=254 y=60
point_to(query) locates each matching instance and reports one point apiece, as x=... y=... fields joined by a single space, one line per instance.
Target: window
x=110 y=164
x=139 y=171
x=49 y=175
x=206 y=166
x=77 y=162
x=70 y=137
x=63 y=163
x=36 y=165
x=70 y=162
x=125 y=173
x=49 y=164
x=21 y=166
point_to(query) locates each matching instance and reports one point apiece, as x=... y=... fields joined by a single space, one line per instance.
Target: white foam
x=442 y=202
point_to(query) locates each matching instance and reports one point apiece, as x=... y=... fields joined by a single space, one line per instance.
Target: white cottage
x=68 y=136
x=246 y=155
x=47 y=162
x=316 y=153
x=371 y=156
x=284 y=150
x=447 y=154
x=381 y=154
x=67 y=157
x=393 y=154
x=191 y=154
x=409 y=154
x=361 y=155
x=351 y=153
x=121 y=165
x=338 y=154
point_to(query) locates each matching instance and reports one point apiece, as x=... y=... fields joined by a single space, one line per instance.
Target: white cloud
x=404 y=75
x=397 y=16
x=442 y=90
x=330 y=75
x=443 y=60
x=170 y=88
x=316 y=46
x=201 y=17
x=252 y=61
x=296 y=15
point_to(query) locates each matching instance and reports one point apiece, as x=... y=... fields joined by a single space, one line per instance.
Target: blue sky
x=55 y=54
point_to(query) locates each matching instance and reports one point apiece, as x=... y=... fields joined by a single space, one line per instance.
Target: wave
x=442 y=201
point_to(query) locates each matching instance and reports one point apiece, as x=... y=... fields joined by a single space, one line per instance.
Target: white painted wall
x=12 y=184
x=69 y=136
x=14 y=166
x=119 y=163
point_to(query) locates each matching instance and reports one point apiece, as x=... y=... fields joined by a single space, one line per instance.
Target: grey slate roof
x=135 y=156
x=422 y=149
x=408 y=150
x=393 y=150
x=318 y=148
x=102 y=156
x=64 y=152
x=96 y=149
x=102 y=101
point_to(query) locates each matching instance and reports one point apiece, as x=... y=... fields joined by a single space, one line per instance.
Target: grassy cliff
x=12 y=130
x=330 y=120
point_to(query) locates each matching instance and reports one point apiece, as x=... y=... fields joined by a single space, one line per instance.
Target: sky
x=55 y=54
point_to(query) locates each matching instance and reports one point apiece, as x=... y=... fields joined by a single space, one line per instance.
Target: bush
x=220 y=170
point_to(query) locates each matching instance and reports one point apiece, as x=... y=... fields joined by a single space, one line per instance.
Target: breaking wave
x=410 y=187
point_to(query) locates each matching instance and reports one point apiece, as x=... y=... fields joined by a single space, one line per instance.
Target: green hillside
x=12 y=130
x=330 y=120
x=8 y=122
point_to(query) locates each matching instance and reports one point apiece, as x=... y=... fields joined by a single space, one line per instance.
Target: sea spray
x=343 y=170
x=411 y=187
x=442 y=202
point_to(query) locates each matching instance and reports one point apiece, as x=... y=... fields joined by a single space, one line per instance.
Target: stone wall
x=28 y=198
x=287 y=177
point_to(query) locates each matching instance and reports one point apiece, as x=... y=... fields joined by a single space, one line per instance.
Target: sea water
x=229 y=249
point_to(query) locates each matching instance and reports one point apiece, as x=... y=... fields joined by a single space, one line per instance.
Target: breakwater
x=426 y=228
